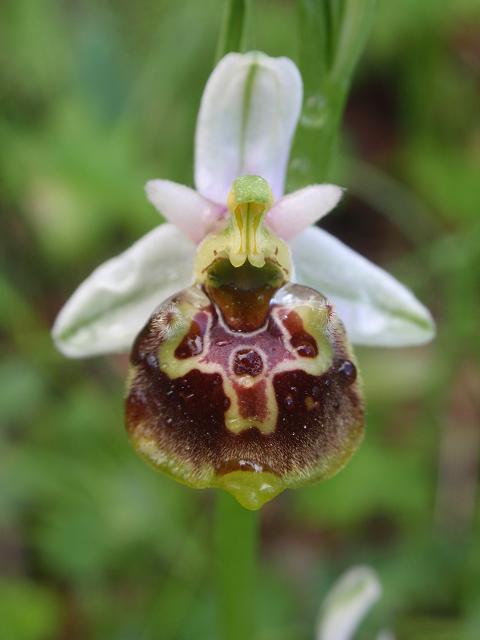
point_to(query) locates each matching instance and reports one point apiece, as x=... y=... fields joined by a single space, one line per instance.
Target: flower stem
x=234 y=29
x=333 y=34
x=236 y=532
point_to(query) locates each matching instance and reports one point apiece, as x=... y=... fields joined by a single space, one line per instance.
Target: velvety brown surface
x=320 y=417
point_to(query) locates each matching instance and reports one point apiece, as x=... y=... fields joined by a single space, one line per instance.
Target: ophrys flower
x=242 y=379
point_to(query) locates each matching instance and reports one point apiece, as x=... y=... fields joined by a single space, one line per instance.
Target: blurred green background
x=96 y=97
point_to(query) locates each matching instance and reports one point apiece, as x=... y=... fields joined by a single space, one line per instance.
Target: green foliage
x=27 y=611
x=96 y=98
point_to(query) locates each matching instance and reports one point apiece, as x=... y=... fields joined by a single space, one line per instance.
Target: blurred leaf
x=27 y=611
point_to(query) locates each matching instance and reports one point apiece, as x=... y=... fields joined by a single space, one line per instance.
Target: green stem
x=236 y=533
x=318 y=132
x=236 y=529
x=234 y=31
x=333 y=35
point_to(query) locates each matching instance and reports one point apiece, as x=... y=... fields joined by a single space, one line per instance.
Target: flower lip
x=242 y=380
x=192 y=416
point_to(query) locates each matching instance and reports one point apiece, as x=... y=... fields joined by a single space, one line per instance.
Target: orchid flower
x=242 y=380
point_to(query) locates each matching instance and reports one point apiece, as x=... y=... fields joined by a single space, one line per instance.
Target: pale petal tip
x=60 y=340
x=427 y=328
x=78 y=342
x=152 y=188
x=351 y=597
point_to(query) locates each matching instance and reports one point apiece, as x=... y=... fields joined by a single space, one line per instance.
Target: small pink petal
x=300 y=209
x=185 y=208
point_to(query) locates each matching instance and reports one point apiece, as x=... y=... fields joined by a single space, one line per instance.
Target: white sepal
x=111 y=306
x=247 y=118
x=376 y=309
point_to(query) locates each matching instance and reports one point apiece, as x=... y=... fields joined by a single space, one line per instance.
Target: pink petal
x=185 y=208
x=300 y=209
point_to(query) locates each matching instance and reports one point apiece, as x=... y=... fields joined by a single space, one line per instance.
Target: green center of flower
x=244 y=248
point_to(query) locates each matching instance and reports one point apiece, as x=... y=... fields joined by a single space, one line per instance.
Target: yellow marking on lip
x=241 y=230
x=247 y=232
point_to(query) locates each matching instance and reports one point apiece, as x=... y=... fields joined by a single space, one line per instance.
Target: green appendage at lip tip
x=251 y=489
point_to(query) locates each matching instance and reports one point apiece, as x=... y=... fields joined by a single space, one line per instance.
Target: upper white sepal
x=248 y=114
